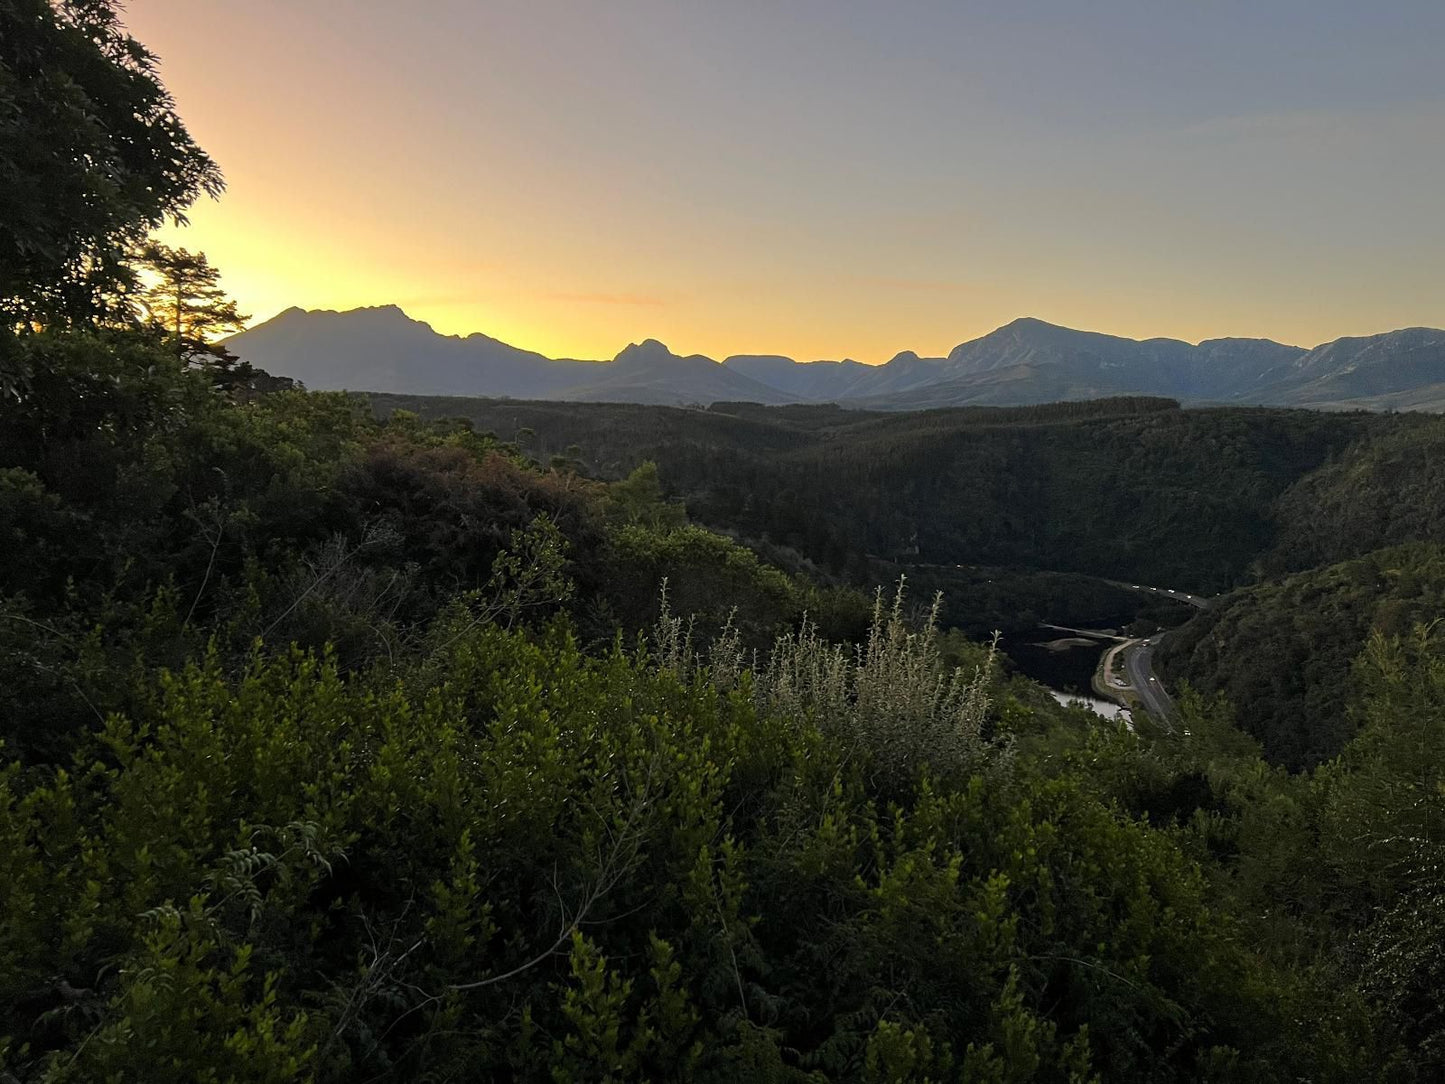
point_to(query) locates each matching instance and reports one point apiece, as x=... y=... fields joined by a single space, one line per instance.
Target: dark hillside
x=1130 y=489
x=1281 y=652
x=1377 y=493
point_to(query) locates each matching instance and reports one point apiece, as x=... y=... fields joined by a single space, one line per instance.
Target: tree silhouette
x=186 y=299
x=92 y=158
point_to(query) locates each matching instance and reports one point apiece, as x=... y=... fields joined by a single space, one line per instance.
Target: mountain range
x=382 y=349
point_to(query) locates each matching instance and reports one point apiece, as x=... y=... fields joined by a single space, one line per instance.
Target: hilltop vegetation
x=1378 y=493
x=343 y=793
x=1356 y=551
x=1023 y=514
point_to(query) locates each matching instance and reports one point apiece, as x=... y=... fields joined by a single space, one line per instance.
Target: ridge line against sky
x=827 y=179
x=612 y=353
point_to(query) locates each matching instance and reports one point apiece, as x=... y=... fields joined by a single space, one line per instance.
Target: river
x=1107 y=708
x=1067 y=664
x=1064 y=664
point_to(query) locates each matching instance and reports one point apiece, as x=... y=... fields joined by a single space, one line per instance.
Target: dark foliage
x=92 y=157
x=1126 y=489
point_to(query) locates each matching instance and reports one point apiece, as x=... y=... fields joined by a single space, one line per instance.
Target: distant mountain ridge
x=1026 y=361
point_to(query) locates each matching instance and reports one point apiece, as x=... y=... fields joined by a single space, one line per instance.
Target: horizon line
x=462 y=337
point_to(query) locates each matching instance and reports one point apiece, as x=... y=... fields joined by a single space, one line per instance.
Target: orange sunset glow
x=570 y=178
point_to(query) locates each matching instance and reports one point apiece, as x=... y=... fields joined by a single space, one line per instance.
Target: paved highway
x=1138 y=666
x=1199 y=602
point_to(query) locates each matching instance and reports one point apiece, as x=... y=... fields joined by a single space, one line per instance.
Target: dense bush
x=545 y=864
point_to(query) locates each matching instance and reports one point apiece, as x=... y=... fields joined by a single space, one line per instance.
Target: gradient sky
x=821 y=178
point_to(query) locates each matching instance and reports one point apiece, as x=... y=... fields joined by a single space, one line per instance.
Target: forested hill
x=1356 y=552
x=1283 y=651
x=1133 y=489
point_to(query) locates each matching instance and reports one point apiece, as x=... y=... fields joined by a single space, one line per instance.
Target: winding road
x=1199 y=602
x=1137 y=658
x=1139 y=668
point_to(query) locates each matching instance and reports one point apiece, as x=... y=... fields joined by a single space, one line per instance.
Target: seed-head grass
x=891 y=697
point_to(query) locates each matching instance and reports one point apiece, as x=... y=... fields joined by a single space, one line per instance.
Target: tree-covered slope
x=1129 y=489
x=1380 y=492
x=1281 y=652
x=332 y=751
x=310 y=775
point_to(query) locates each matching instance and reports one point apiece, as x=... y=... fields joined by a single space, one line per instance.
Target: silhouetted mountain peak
x=650 y=352
x=1236 y=340
x=646 y=350
x=381 y=348
x=1030 y=323
x=375 y=314
x=369 y=316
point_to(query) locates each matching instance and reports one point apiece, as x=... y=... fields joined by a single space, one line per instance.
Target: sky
x=820 y=178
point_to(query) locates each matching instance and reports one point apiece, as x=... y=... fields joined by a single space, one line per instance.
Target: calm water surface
x=1068 y=672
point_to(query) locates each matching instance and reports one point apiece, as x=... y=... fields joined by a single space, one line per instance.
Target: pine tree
x=187 y=302
x=187 y=299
